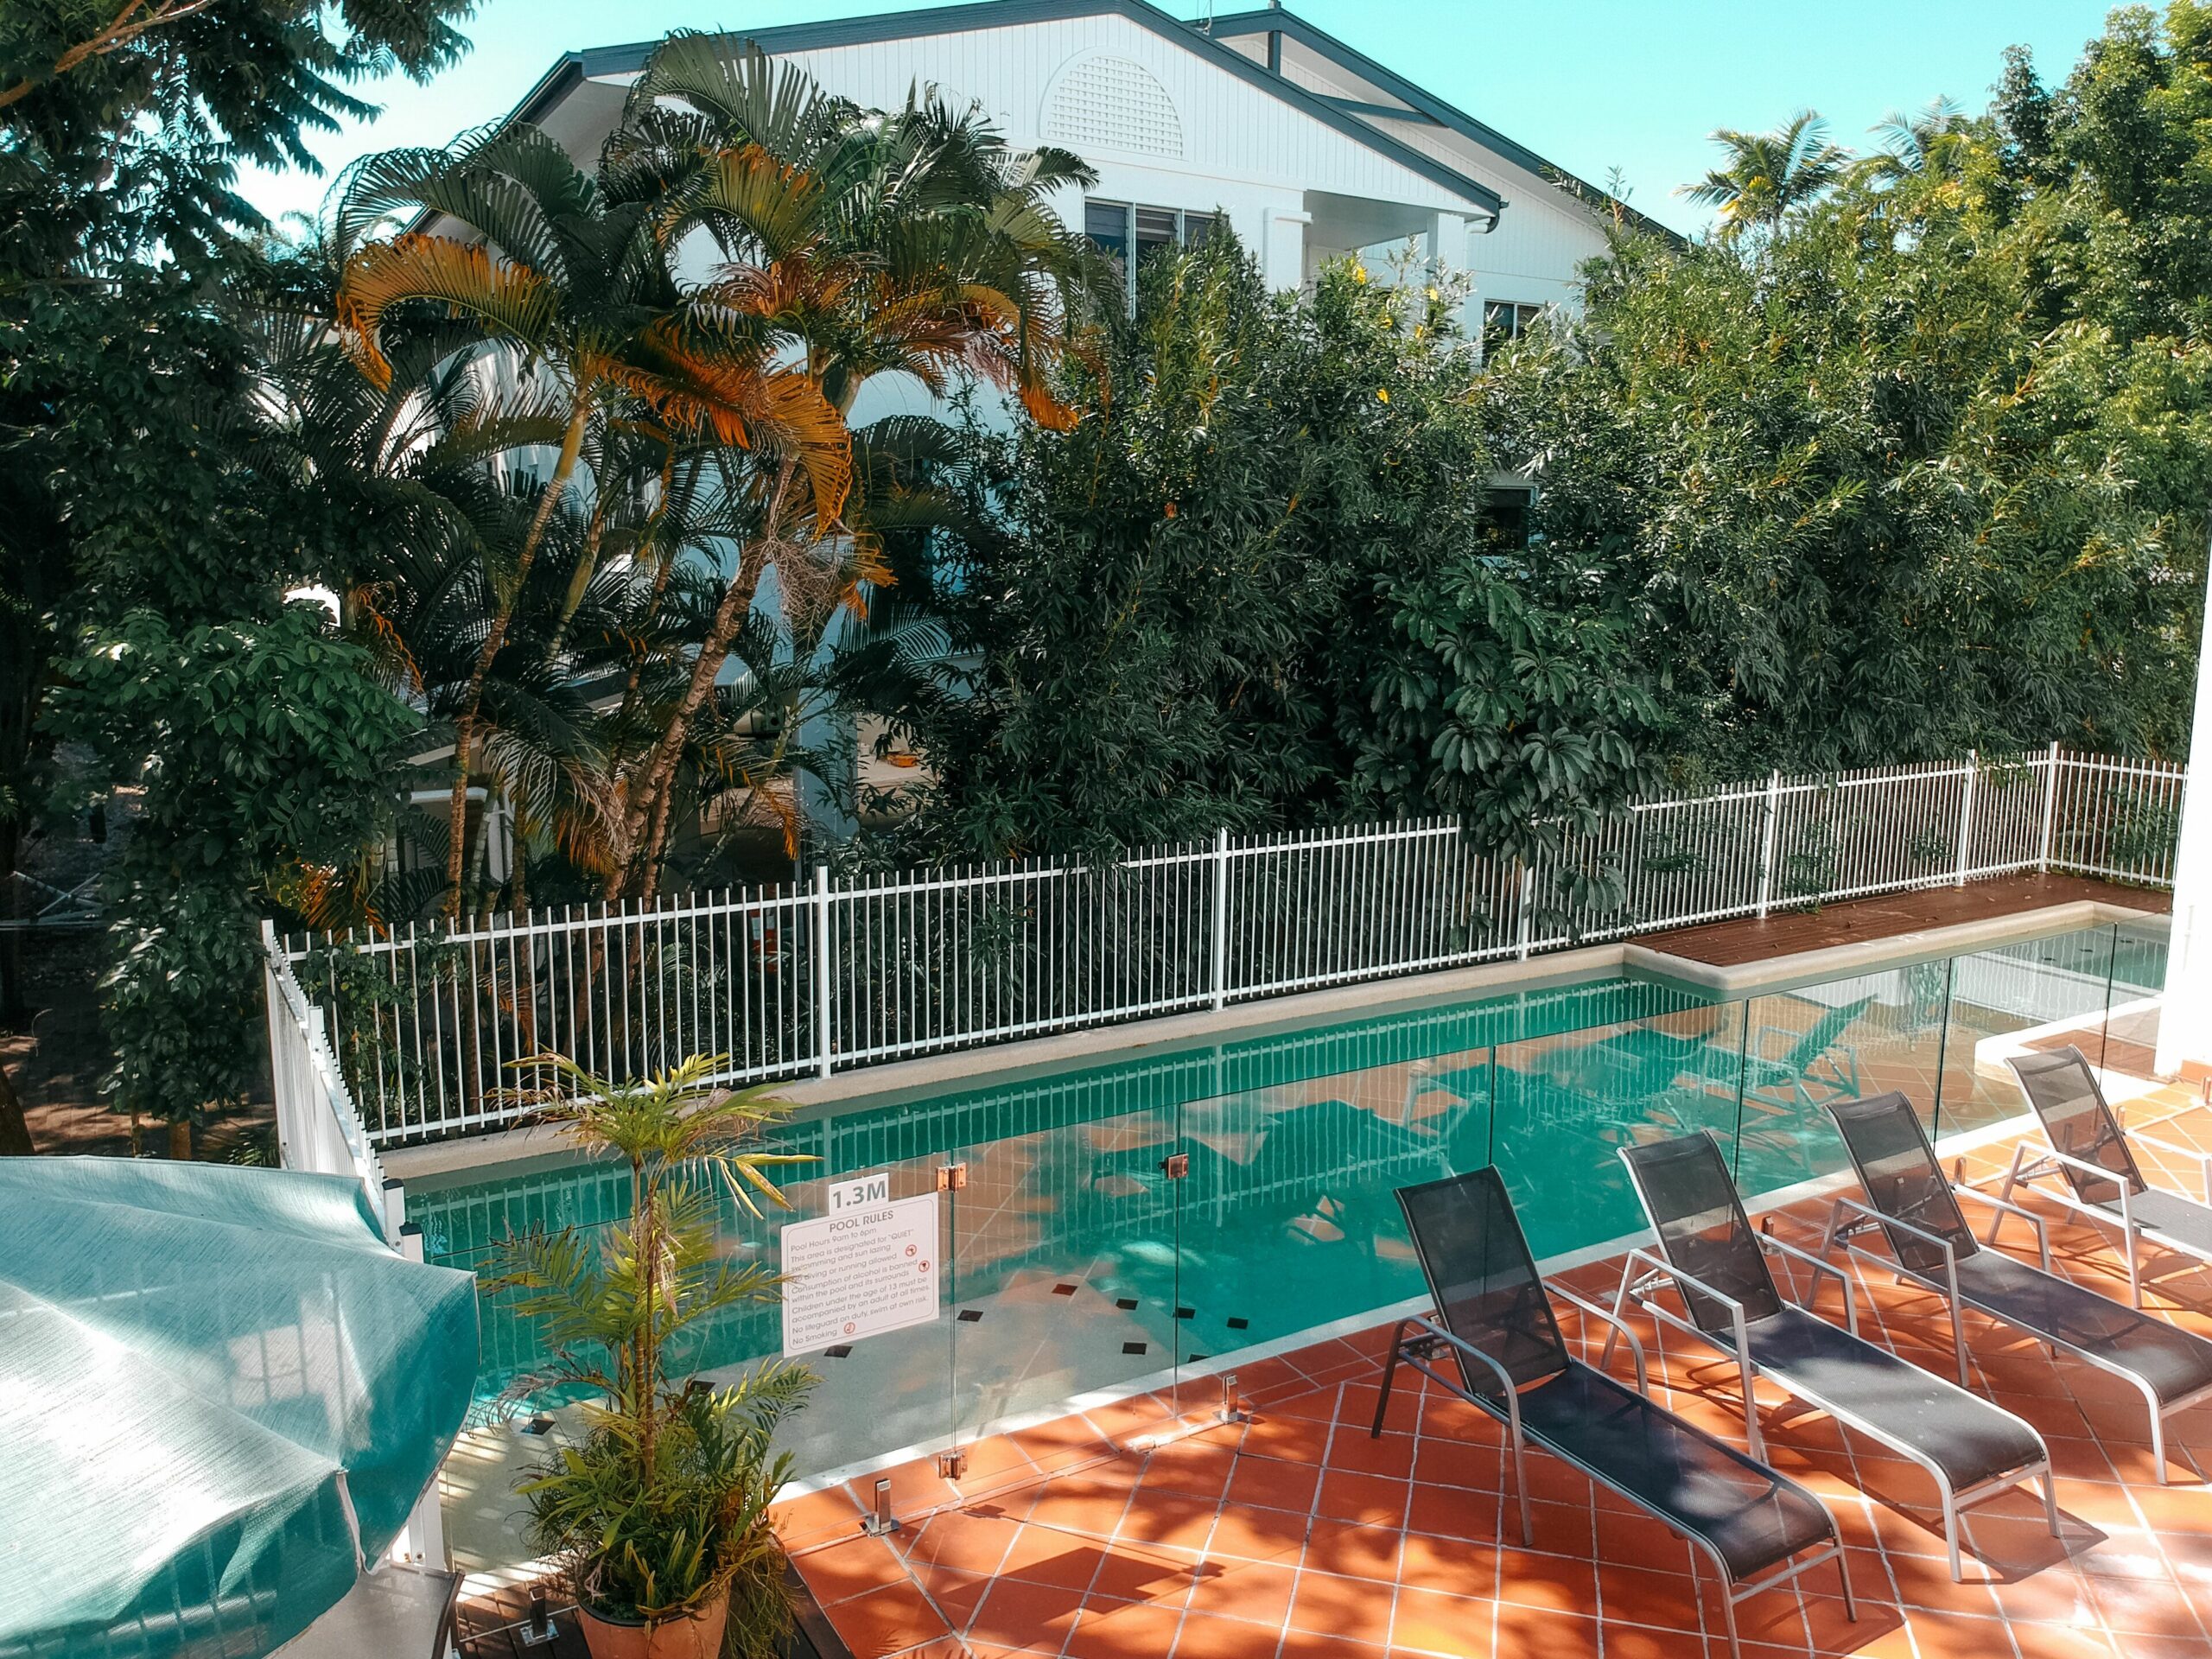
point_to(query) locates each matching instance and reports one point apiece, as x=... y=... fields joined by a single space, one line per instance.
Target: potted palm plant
x=658 y=1513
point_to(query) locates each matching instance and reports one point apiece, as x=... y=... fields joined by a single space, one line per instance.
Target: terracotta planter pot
x=699 y=1636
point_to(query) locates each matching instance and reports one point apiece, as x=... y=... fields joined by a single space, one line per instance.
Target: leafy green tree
x=1890 y=491
x=273 y=750
x=1935 y=136
x=122 y=124
x=1133 y=595
x=1258 y=582
x=146 y=520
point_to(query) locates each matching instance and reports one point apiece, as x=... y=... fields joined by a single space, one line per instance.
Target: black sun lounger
x=1712 y=1257
x=1918 y=1210
x=2089 y=1150
x=1493 y=1316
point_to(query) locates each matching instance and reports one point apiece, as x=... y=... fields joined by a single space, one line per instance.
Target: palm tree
x=575 y=292
x=915 y=242
x=1931 y=140
x=661 y=1508
x=1770 y=175
x=418 y=459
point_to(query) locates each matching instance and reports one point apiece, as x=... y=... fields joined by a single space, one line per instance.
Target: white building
x=1310 y=149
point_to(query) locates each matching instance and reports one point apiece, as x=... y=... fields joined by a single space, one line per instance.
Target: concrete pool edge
x=885 y=1082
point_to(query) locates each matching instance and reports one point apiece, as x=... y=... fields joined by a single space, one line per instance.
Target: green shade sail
x=220 y=1393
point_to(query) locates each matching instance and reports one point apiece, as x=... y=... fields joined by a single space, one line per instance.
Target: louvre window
x=1116 y=227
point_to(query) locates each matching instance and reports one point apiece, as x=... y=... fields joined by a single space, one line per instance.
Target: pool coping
x=883 y=1083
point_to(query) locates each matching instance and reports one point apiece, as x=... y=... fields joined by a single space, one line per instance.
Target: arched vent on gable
x=1114 y=103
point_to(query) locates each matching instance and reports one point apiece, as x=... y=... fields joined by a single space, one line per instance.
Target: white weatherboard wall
x=1161 y=124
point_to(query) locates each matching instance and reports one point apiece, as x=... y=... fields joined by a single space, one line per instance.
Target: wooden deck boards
x=1748 y=938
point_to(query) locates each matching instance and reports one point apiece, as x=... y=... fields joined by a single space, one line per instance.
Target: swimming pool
x=1137 y=1218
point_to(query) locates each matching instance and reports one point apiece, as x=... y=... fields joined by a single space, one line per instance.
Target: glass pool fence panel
x=1802 y=1048
x=1564 y=1105
x=2129 y=1039
x=2012 y=1000
x=464 y=1226
x=1068 y=1282
x=1292 y=1223
x=877 y=1393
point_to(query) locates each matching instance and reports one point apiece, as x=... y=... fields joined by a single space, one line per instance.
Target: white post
x=273 y=994
x=1767 y=839
x=1446 y=237
x=395 y=1230
x=826 y=964
x=1965 y=819
x=1282 y=247
x=1221 y=917
x=2049 y=807
x=1528 y=909
x=2185 y=1017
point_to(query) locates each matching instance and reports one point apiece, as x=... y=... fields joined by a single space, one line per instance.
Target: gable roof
x=575 y=67
x=1421 y=104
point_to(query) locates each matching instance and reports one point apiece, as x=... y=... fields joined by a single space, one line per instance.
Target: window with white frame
x=1505 y=321
x=1116 y=228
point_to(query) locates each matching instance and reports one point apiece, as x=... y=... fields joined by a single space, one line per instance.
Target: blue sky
x=1590 y=84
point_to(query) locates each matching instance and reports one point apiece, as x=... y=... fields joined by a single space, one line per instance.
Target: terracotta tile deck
x=1298 y=1536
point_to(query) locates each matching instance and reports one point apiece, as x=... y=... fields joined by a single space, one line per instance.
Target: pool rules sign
x=869 y=1266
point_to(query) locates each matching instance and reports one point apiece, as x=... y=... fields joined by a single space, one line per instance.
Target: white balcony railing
x=788 y=981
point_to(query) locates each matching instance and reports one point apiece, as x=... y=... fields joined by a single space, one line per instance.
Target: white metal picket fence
x=426 y=1024
x=317 y=1127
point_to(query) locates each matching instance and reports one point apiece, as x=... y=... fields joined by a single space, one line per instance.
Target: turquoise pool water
x=1073 y=1259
